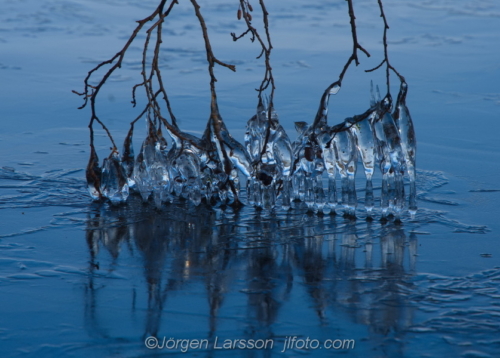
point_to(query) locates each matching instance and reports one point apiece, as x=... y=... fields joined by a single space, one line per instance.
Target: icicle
x=160 y=178
x=332 y=193
x=361 y=128
x=389 y=152
x=258 y=194
x=392 y=137
x=330 y=159
x=319 y=195
x=141 y=177
x=148 y=147
x=352 y=199
x=298 y=185
x=195 y=194
x=320 y=121
x=406 y=130
x=93 y=175
x=128 y=157
x=399 y=196
x=268 y=196
x=363 y=134
x=255 y=132
x=281 y=147
x=233 y=176
x=384 y=197
x=309 y=193
x=251 y=191
x=114 y=184
x=302 y=128
x=346 y=162
x=369 y=200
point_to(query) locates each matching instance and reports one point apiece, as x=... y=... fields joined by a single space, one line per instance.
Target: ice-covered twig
x=244 y=11
x=323 y=108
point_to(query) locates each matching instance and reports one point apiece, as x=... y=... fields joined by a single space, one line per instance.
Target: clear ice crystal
x=278 y=173
x=142 y=178
x=93 y=175
x=128 y=157
x=256 y=132
x=362 y=132
x=387 y=138
x=114 y=184
x=406 y=130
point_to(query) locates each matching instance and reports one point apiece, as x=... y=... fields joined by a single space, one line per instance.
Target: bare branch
x=355 y=44
x=116 y=60
x=386 y=55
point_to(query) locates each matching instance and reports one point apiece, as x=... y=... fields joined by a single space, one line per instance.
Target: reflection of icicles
x=114 y=184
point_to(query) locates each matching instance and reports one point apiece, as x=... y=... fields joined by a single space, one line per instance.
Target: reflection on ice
x=365 y=271
x=242 y=273
x=263 y=259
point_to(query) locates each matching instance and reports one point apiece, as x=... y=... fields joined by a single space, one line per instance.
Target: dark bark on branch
x=388 y=65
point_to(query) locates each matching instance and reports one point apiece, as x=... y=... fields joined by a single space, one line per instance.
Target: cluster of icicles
x=278 y=172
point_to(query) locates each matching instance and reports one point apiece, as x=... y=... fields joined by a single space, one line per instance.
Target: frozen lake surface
x=79 y=279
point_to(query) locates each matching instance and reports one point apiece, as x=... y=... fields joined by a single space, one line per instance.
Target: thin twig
x=323 y=107
x=215 y=121
x=117 y=59
x=266 y=48
x=355 y=44
x=388 y=66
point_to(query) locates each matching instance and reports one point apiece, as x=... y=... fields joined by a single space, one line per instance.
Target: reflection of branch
x=386 y=56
